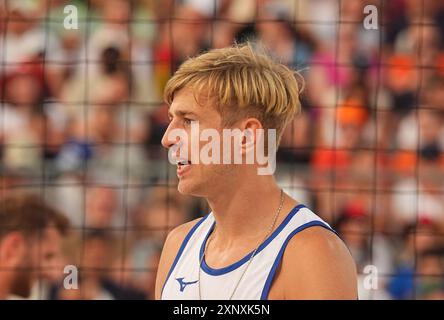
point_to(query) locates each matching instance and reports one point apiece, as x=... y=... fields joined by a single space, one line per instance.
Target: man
x=30 y=239
x=257 y=243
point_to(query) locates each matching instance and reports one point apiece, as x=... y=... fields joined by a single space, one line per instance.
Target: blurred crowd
x=82 y=117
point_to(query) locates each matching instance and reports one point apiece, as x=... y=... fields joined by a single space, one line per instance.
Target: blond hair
x=242 y=83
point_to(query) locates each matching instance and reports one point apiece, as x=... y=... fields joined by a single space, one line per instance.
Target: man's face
x=40 y=258
x=194 y=179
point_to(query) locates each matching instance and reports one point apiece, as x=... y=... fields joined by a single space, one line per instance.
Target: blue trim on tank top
x=267 y=286
x=218 y=272
x=182 y=248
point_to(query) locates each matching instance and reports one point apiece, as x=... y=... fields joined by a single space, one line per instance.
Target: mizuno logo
x=183 y=283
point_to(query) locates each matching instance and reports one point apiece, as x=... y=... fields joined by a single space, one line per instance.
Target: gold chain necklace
x=252 y=255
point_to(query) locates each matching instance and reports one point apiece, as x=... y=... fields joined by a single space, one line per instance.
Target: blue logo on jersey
x=183 y=283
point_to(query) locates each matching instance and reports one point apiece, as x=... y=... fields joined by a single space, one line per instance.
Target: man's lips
x=183 y=165
x=182 y=168
x=183 y=162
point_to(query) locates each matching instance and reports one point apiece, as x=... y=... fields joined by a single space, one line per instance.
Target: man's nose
x=169 y=140
x=166 y=142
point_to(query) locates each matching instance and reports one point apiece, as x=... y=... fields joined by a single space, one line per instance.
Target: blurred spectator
x=30 y=244
x=419 y=197
x=423 y=131
x=284 y=41
x=184 y=36
x=418 y=255
x=27 y=41
x=96 y=282
x=32 y=130
x=109 y=84
x=367 y=247
x=157 y=214
x=101 y=208
x=430 y=269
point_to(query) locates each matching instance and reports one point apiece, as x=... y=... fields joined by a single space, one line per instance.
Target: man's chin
x=188 y=189
x=184 y=189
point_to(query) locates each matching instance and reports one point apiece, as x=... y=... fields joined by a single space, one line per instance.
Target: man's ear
x=12 y=248
x=250 y=128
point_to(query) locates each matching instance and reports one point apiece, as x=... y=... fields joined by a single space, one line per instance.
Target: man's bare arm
x=170 y=249
x=316 y=265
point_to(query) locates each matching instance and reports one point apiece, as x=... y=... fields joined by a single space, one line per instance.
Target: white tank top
x=219 y=284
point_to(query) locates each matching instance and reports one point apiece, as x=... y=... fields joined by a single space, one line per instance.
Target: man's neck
x=246 y=210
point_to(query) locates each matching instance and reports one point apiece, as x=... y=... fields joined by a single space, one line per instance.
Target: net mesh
x=82 y=117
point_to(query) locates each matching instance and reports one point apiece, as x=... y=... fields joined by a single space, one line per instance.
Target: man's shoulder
x=316 y=248
x=314 y=237
x=316 y=264
x=176 y=236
